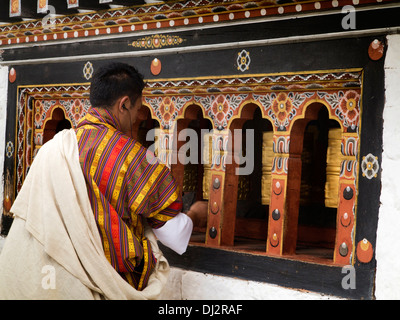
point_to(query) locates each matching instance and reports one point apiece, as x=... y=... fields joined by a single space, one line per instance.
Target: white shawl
x=53 y=249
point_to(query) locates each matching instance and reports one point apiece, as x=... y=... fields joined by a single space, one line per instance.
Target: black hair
x=114 y=80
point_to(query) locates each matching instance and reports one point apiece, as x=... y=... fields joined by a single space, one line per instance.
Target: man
x=85 y=218
x=127 y=186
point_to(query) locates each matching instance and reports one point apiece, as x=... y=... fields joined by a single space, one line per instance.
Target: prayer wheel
x=267 y=158
x=306 y=184
x=190 y=178
x=207 y=160
x=333 y=162
x=243 y=187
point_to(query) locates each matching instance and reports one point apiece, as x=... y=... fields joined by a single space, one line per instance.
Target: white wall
x=190 y=285
x=388 y=234
x=3 y=113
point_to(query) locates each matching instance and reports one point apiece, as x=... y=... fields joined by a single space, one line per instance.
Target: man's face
x=131 y=115
x=135 y=108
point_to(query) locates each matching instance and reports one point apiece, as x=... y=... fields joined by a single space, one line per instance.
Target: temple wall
x=189 y=285
x=248 y=67
x=388 y=237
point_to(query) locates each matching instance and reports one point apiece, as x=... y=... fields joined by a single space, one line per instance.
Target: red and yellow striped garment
x=125 y=188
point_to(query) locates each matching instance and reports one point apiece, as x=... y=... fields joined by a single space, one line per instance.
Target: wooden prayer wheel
x=306 y=185
x=267 y=158
x=333 y=162
x=190 y=177
x=207 y=160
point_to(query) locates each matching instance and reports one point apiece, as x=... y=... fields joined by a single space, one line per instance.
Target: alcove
x=189 y=168
x=56 y=123
x=196 y=174
x=311 y=207
x=253 y=189
x=247 y=200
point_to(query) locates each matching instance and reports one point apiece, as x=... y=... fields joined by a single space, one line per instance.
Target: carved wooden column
x=277 y=208
x=217 y=211
x=344 y=246
x=164 y=146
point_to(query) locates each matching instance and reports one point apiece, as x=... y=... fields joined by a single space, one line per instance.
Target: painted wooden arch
x=283 y=99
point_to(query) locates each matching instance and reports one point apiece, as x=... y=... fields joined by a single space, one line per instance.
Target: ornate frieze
x=156 y=17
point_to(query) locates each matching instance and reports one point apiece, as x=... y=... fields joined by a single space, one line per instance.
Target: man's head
x=118 y=88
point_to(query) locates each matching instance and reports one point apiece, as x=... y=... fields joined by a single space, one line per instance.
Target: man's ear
x=123 y=104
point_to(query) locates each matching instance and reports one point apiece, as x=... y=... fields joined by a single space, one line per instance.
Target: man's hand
x=198 y=213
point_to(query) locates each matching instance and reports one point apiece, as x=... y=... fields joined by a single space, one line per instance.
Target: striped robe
x=127 y=188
